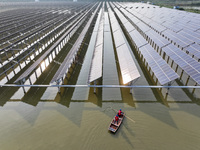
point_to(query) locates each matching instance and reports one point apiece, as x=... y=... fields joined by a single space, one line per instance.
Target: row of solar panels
x=96 y=64
x=84 y=75
x=180 y=26
x=161 y=69
x=128 y=68
x=33 y=43
x=143 y=35
x=71 y=55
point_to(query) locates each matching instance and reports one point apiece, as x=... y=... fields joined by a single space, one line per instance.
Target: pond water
x=84 y=125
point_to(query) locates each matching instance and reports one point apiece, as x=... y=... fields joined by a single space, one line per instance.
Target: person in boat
x=116 y=118
x=120 y=113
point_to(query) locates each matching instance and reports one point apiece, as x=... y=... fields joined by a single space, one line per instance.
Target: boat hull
x=114 y=126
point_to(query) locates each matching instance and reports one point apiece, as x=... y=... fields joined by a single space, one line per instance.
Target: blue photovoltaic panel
x=190 y=35
x=157 y=39
x=186 y=62
x=194 y=50
x=169 y=24
x=175 y=26
x=163 y=72
x=157 y=27
x=177 y=39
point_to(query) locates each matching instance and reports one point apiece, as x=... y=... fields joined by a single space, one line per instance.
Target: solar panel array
x=156 y=40
x=178 y=26
x=137 y=38
x=26 y=35
x=82 y=93
x=158 y=34
x=110 y=72
x=64 y=67
x=161 y=69
x=168 y=26
x=194 y=50
x=163 y=72
x=187 y=63
x=96 y=66
x=47 y=53
x=127 y=65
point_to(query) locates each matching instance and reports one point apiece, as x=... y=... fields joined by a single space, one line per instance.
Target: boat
x=114 y=126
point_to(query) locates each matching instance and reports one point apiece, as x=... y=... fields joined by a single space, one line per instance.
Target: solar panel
x=172 y=26
x=163 y=72
x=194 y=50
x=186 y=62
x=96 y=65
x=129 y=27
x=71 y=55
x=143 y=27
x=137 y=38
x=146 y=20
x=177 y=39
x=96 y=27
x=198 y=32
x=127 y=65
x=122 y=18
x=113 y=20
x=157 y=27
x=189 y=26
x=44 y=55
x=175 y=26
x=110 y=74
x=190 y=35
x=119 y=40
x=82 y=93
x=157 y=39
x=106 y=20
x=100 y=36
x=115 y=26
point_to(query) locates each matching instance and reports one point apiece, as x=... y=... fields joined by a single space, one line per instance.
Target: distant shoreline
x=191 y=7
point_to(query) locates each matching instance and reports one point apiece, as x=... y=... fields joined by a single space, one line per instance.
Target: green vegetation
x=193 y=10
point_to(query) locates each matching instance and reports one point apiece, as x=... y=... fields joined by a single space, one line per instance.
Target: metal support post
x=58 y=82
x=21 y=82
x=30 y=81
x=169 y=84
x=95 y=82
x=181 y=74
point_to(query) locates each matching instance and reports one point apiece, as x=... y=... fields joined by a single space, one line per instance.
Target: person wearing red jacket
x=120 y=112
x=116 y=118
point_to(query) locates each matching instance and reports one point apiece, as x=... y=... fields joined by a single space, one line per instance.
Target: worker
x=120 y=112
x=116 y=118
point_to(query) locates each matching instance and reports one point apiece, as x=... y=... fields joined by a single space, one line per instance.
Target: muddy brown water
x=66 y=124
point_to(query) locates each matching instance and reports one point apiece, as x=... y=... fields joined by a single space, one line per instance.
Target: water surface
x=83 y=125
